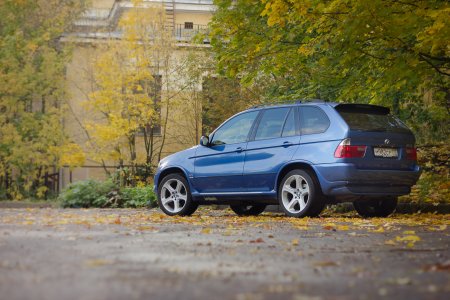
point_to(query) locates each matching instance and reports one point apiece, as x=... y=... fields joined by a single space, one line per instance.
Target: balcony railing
x=184 y=32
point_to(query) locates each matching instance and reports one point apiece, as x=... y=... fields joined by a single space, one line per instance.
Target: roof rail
x=288 y=103
x=316 y=101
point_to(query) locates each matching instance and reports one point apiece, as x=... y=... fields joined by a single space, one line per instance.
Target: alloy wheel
x=295 y=194
x=174 y=195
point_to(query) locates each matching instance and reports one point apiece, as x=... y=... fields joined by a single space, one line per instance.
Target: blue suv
x=300 y=156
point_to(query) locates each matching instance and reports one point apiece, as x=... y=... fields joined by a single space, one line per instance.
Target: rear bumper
x=342 y=179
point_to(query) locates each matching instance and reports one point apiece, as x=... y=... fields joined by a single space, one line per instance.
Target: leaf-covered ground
x=140 y=254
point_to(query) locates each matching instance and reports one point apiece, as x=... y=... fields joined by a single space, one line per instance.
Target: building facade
x=181 y=126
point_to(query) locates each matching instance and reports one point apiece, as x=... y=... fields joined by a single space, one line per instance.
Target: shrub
x=434 y=184
x=92 y=193
x=138 y=197
x=89 y=193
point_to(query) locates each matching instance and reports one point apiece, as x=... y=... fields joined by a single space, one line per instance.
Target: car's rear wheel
x=174 y=196
x=248 y=210
x=299 y=194
x=379 y=207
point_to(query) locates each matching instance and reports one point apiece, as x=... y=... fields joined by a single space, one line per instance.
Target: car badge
x=387 y=141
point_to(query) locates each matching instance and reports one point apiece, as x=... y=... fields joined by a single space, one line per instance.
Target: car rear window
x=370 y=118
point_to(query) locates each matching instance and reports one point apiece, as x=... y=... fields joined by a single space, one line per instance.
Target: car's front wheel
x=379 y=207
x=174 y=196
x=248 y=210
x=299 y=194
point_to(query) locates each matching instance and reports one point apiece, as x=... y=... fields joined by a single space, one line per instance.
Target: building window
x=188 y=25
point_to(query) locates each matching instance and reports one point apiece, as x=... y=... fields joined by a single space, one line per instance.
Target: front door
x=219 y=167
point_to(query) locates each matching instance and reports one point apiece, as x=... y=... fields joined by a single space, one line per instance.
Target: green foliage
x=393 y=53
x=89 y=193
x=92 y=193
x=138 y=197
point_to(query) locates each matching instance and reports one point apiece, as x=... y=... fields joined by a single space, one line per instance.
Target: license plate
x=385 y=152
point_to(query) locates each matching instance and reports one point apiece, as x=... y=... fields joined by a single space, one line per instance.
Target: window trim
x=301 y=117
x=296 y=123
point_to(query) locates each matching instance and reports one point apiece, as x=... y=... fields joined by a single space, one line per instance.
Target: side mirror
x=204 y=141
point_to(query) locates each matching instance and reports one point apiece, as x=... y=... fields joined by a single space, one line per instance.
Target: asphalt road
x=139 y=254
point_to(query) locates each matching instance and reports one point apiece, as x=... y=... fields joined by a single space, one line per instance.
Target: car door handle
x=287 y=144
x=239 y=149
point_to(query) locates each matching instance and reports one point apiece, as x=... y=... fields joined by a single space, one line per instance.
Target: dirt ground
x=48 y=253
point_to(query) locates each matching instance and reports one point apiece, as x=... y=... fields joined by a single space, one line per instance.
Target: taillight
x=411 y=153
x=345 y=150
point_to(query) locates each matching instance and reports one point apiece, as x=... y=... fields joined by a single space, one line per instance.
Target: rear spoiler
x=363 y=108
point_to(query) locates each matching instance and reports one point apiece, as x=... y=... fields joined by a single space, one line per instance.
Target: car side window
x=235 y=130
x=289 y=125
x=271 y=123
x=313 y=120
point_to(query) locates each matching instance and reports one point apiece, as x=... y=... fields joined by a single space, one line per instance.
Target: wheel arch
x=299 y=165
x=172 y=170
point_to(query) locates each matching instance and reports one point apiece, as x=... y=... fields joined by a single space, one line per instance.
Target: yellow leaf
x=97 y=262
x=343 y=227
x=206 y=231
x=390 y=242
x=378 y=230
x=325 y=264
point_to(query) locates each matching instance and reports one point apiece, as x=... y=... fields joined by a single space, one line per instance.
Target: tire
x=299 y=194
x=316 y=210
x=379 y=207
x=248 y=210
x=174 y=196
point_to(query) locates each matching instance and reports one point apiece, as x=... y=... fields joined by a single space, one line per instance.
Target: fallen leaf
x=409 y=239
x=329 y=226
x=378 y=230
x=325 y=264
x=390 y=242
x=409 y=232
x=445 y=266
x=145 y=227
x=206 y=230
x=97 y=262
x=402 y=281
x=258 y=240
x=343 y=227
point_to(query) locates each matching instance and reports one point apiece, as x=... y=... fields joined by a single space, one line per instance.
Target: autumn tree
x=32 y=92
x=393 y=53
x=134 y=91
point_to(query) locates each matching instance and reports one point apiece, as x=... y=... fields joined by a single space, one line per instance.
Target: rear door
x=272 y=144
x=386 y=137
